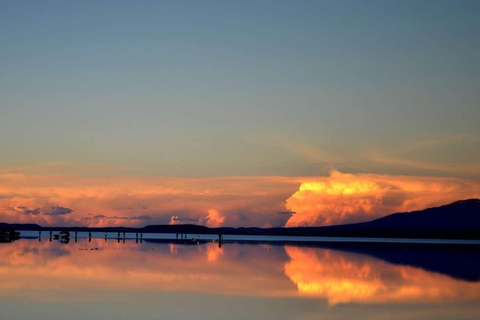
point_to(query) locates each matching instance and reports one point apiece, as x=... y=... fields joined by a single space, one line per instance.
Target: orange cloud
x=213 y=219
x=220 y=201
x=347 y=198
x=137 y=201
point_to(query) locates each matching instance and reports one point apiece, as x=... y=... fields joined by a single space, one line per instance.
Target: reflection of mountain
x=343 y=277
x=457 y=261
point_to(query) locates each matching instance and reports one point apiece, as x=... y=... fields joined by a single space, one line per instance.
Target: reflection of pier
x=9 y=235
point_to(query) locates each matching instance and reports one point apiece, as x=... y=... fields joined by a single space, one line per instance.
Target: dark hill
x=464 y=214
x=460 y=219
x=20 y=226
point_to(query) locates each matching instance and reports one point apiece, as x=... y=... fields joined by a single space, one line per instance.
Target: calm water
x=165 y=279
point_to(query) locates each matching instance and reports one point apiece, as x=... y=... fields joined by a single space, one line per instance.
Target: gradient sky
x=239 y=88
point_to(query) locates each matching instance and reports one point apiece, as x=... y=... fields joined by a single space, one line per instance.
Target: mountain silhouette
x=464 y=214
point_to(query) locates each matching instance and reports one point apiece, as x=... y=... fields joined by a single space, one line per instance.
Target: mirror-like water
x=160 y=279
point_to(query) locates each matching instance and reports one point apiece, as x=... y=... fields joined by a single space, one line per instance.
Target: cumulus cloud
x=347 y=198
x=214 y=219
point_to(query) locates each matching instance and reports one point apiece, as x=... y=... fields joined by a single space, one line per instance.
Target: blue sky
x=212 y=88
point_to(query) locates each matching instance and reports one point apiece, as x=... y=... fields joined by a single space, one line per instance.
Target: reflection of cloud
x=344 y=277
x=213 y=252
x=26 y=266
x=344 y=198
x=338 y=277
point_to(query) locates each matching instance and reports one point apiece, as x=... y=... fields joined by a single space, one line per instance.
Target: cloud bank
x=221 y=201
x=98 y=201
x=348 y=198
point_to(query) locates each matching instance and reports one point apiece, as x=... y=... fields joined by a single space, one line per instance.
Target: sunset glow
x=224 y=201
x=346 y=198
x=200 y=160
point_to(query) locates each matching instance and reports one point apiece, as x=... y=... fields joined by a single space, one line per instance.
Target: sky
x=228 y=102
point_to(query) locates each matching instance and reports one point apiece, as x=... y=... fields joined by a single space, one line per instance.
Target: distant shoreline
x=271 y=239
x=341 y=231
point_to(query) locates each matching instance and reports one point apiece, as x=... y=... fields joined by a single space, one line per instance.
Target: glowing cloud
x=347 y=198
x=214 y=219
x=137 y=201
x=220 y=201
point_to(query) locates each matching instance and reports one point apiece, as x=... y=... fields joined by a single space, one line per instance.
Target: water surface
x=168 y=279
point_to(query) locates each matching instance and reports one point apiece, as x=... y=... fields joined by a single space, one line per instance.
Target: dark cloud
x=101 y=216
x=182 y=220
x=56 y=211
x=26 y=210
x=143 y=217
x=132 y=218
x=243 y=217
